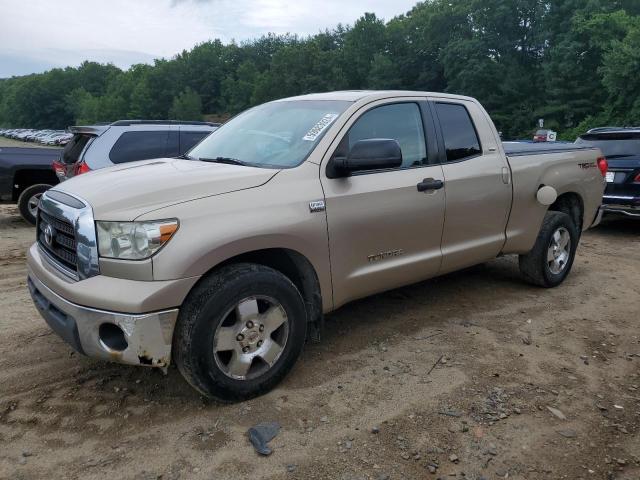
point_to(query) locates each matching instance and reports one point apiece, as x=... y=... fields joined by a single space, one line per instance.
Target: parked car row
x=44 y=137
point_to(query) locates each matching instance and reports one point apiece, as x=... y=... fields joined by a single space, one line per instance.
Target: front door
x=385 y=231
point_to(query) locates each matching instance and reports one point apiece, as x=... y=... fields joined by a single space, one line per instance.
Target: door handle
x=430 y=184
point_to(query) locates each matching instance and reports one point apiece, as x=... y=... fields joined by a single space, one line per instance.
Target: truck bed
x=514 y=149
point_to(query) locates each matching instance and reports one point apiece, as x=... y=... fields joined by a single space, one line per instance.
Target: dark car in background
x=99 y=146
x=25 y=174
x=621 y=147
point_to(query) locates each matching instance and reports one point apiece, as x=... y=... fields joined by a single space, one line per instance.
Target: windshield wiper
x=227 y=160
x=184 y=156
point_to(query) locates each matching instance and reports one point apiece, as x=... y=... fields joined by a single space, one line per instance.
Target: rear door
x=477 y=185
x=383 y=231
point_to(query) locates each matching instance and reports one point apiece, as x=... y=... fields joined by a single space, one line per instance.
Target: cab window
x=459 y=134
x=399 y=121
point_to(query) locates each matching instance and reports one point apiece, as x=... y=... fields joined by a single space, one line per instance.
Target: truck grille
x=57 y=237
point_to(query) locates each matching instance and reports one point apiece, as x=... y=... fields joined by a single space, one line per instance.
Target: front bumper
x=134 y=339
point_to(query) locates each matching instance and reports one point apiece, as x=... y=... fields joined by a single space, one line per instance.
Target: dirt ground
x=472 y=375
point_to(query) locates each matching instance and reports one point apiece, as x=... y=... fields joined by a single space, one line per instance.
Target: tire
x=545 y=265
x=207 y=347
x=26 y=201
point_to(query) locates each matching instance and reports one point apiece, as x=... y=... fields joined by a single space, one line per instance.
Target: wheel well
x=25 y=178
x=296 y=268
x=571 y=204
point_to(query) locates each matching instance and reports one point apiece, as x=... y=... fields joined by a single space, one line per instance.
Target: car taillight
x=81 y=168
x=59 y=168
x=603 y=166
x=637 y=179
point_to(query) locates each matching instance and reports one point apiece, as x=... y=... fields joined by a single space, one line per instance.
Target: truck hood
x=124 y=192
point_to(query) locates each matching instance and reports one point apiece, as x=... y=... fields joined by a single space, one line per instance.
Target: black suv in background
x=99 y=146
x=621 y=147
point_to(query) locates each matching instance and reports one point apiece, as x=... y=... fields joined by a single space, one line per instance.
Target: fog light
x=112 y=337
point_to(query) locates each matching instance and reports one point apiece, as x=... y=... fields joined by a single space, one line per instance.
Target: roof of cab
x=356 y=95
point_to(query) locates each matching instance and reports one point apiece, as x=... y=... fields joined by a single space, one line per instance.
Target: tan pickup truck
x=226 y=259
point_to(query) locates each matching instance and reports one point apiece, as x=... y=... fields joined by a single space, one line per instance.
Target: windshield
x=273 y=135
x=621 y=145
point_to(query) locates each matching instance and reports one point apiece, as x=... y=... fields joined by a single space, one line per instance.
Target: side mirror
x=369 y=154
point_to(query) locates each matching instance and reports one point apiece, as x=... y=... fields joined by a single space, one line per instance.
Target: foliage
x=186 y=106
x=575 y=63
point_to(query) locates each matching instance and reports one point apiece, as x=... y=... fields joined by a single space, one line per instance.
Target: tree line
x=575 y=63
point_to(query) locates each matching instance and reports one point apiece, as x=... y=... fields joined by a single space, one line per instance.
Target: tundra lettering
x=383 y=255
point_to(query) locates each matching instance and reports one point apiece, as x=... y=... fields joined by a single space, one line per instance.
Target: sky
x=37 y=35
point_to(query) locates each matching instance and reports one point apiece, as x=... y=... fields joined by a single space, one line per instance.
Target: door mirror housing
x=369 y=154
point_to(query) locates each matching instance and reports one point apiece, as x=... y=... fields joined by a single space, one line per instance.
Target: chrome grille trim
x=75 y=235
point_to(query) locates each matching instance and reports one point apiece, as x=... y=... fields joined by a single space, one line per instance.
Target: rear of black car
x=621 y=147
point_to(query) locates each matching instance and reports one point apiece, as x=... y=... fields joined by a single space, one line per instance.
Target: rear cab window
x=458 y=131
x=140 y=145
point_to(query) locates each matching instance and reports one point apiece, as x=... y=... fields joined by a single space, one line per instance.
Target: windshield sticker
x=320 y=126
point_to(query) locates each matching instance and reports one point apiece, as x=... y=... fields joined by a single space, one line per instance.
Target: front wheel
x=239 y=332
x=550 y=260
x=29 y=200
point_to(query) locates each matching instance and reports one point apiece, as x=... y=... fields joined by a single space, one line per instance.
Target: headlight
x=133 y=240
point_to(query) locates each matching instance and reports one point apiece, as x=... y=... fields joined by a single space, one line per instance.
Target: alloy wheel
x=251 y=337
x=559 y=250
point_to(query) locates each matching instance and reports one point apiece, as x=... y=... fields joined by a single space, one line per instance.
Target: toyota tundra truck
x=224 y=261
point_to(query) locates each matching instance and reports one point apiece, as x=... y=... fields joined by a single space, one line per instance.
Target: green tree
x=186 y=106
x=621 y=74
x=384 y=74
x=572 y=62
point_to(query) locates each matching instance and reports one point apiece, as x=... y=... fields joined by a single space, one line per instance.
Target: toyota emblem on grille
x=48 y=234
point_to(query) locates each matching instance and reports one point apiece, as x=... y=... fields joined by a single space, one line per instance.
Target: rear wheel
x=551 y=259
x=239 y=332
x=29 y=200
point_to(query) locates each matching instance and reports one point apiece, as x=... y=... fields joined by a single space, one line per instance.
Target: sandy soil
x=454 y=375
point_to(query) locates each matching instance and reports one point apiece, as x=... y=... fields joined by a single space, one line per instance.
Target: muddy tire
x=239 y=332
x=550 y=260
x=28 y=201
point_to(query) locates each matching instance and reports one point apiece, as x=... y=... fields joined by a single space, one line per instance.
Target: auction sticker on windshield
x=319 y=127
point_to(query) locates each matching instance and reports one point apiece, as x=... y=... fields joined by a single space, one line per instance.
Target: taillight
x=81 y=168
x=603 y=166
x=59 y=168
x=637 y=179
